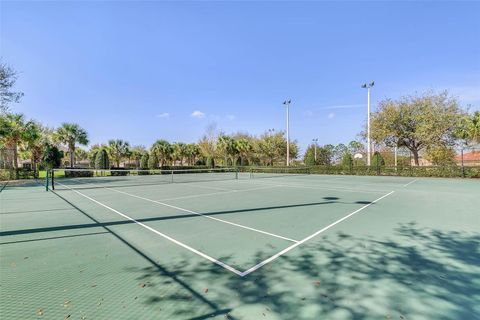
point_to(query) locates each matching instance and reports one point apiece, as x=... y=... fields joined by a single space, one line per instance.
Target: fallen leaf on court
x=66 y=303
x=67 y=317
x=317 y=283
x=142 y=285
x=25 y=258
x=206 y=290
x=40 y=312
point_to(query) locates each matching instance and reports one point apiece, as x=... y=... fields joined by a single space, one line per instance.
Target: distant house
x=471 y=158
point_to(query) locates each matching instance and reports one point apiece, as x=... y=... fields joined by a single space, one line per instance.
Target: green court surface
x=291 y=247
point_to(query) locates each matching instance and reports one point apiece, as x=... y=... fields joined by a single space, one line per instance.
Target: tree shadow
x=269 y=210
x=416 y=273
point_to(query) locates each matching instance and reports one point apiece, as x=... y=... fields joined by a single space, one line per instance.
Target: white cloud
x=163 y=115
x=331 y=115
x=198 y=114
x=230 y=117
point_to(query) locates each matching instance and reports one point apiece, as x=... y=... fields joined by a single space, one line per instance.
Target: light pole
x=315 y=148
x=368 y=87
x=287 y=104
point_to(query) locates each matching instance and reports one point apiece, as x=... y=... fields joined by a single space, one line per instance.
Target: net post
x=53 y=179
x=236 y=173
x=172 y=175
x=46 y=179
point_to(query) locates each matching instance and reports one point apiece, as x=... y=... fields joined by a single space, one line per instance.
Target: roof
x=469 y=156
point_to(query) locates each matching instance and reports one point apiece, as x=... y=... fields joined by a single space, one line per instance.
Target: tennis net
x=266 y=172
x=62 y=179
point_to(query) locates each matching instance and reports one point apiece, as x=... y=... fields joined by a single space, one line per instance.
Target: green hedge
x=407 y=171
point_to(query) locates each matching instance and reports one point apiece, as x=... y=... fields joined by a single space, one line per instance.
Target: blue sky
x=141 y=71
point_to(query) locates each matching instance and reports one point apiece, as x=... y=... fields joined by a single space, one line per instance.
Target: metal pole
x=287 y=104
x=315 y=153
x=395 y=158
x=288 y=134
x=368 y=127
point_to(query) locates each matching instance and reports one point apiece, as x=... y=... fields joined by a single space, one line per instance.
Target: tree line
x=431 y=125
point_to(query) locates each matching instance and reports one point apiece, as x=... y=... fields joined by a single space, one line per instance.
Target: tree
x=272 y=147
x=223 y=143
x=339 y=151
x=101 y=159
x=70 y=134
x=440 y=155
x=14 y=128
x=469 y=129
x=192 y=152
x=8 y=77
x=92 y=153
x=34 y=142
x=144 y=161
x=377 y=160
x=179 y=152
x=153 y=161
x=81 y=154
x=309 y=157
x=355 y=147
x=347 y=160
x=136 y=153
x=208 y=146
x=52 y=156
x=244 y=147
x=162 y=150
x=417 y=122
x=118 y=150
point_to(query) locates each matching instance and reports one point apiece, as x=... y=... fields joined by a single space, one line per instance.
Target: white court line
x=410 y=182
x=264 y=262
x=192 y=184
x=203 y=215
x=216 y=193
x=203 y=255
x=200 y=214
x=320 y=188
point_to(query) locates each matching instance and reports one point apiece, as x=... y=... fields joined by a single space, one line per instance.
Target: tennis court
x=233 y=245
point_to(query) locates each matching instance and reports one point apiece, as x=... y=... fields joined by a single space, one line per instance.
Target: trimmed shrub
x=101 y=160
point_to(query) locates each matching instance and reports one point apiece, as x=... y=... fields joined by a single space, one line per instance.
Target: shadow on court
x=158 y=270
x=418 y=274
x=329 y=200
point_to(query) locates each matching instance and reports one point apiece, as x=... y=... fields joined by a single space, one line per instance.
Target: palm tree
x=244 y=148
x=178 y=152
x=192 y=152
x=225 y=145
x=13 y=129
x=118 y=149
x=71 y=134
x=136 y=154
x=473 y=127
x=34 y=142
x=163 y=150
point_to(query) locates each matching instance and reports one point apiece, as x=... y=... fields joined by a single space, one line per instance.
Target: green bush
x=377 y=160
x=78 y=174
x=153 y=161
x=101 y=160
x=144 y=161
